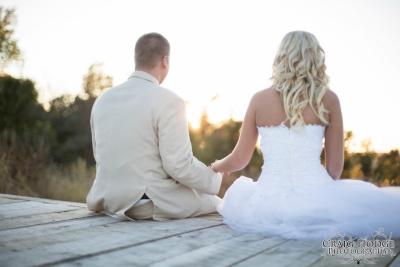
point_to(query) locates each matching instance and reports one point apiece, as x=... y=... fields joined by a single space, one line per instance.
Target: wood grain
x=46 y=232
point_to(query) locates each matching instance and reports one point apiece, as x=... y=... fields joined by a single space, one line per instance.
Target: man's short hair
x=149 y=50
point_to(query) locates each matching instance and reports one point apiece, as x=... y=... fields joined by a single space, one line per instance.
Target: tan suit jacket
x=141 y=145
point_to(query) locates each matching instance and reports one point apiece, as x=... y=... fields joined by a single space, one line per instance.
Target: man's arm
x=176 y=150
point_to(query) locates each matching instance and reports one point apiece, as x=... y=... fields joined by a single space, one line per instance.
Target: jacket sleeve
x=176 y=150
x=93 y=136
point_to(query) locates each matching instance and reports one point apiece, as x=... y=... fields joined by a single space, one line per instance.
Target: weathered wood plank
x=224 y=253
x=30 y=220
x=152 y=252
x=45 y=232
x=294 y=252
x=43 y=200
x=395 y=262
x=25 y=208
x=4 y=200
x=27 y=233
x=53 y=248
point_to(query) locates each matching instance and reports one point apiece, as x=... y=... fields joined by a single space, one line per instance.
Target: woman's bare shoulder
x=265 y=95
x=331 y=99
x=270 y=91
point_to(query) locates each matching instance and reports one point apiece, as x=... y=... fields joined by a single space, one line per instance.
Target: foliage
x=25 y=135
x=95 y=81
x=9 y=50
x=35 y=143
x=71 y=121
x=387 y=168
x=19 y=108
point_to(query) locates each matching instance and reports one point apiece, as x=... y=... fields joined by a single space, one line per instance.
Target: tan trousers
x=141 y=212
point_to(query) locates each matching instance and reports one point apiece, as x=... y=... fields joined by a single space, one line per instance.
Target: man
x=145 y=168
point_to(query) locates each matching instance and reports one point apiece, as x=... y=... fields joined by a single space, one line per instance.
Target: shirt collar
x=145 y=76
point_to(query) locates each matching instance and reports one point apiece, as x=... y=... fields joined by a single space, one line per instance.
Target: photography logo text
x=359 y=250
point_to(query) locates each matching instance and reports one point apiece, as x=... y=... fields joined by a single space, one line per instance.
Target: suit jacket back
x=141 y=145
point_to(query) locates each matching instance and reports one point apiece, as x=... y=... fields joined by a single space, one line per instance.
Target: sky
x=221 y=51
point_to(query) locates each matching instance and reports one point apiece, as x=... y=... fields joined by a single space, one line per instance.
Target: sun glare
x=193 y=113
x=217 y=112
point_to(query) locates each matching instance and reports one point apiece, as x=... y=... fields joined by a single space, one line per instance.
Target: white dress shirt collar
x=145 y=76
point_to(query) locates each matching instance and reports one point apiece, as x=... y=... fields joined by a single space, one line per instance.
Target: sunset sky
x=222 y=50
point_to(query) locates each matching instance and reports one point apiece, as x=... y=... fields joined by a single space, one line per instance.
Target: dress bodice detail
x=293 y=153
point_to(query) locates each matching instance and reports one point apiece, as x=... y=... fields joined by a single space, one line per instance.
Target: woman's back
x=270 y=110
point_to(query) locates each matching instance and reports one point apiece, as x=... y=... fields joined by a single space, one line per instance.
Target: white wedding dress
x=296 y=198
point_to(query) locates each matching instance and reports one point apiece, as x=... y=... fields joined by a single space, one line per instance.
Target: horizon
x=223 y=56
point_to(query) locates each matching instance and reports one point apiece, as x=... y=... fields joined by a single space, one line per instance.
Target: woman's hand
x=216 y=166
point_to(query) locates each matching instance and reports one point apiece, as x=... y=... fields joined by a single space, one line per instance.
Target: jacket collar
x=144 y=76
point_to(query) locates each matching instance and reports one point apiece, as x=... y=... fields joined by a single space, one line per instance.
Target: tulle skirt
x=347 y=207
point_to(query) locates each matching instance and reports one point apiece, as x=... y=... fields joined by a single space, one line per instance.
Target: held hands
x=216 y=166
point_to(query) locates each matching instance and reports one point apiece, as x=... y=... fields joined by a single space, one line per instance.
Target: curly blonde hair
x=299 y=75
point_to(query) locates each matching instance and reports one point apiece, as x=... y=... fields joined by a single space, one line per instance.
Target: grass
x=71 y=183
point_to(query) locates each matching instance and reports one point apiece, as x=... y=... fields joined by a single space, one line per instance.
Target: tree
x=367 y=158
x=95 y=81
x=388 y=168
x=70 y=117
x=19 y=107
x=9 y=50
x=25 y=134
x=348 y=159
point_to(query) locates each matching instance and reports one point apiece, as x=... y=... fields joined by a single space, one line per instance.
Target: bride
x=296 y=196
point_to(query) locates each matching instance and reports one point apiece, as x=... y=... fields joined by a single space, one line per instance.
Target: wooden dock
x=44 y=232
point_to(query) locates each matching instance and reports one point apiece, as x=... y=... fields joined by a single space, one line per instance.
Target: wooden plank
x=72 y=245
x=293 y=252
x=31 y=220
x=395 y=262
x=25 y=208
x=27 y=233
x=44 y=200
x=224 y=253
x=4 y=200
x=152 y=252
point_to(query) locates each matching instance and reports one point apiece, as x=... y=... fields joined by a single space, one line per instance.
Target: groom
x=145 y=168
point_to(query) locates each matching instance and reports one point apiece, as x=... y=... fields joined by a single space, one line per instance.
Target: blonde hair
x=299 y=75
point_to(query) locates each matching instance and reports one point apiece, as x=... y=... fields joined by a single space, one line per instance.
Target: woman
x=296 y=196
